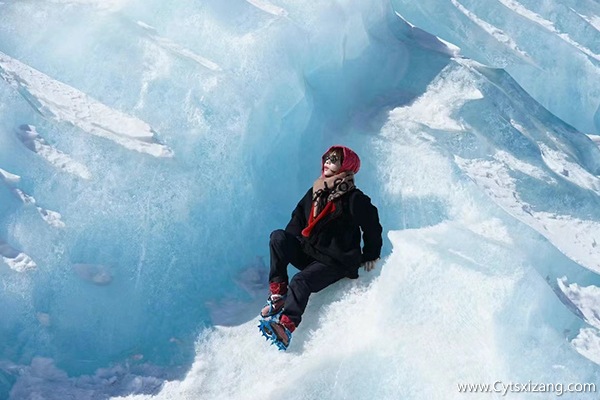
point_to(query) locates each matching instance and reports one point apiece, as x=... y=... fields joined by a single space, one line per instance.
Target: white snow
x=177 y=49
x=593 y=20
x=350 y=333
x=24 y=197
x=61 y=102
x=586 y=299
x=20 y=263
x=430 y=41
x=268 y=7
x=495 y=32
x=53 y=218
x=575 y=237
x=573 y=172
x=33 y=141
x=518 y=165
x=460 y=298
x=9 y=178
x=16 y=260
x=446 y=94
x=530 y=15
x=594 y=138
x=518 y=8
x=587 y=343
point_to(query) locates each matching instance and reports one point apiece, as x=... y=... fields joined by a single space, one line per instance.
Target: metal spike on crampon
x=279 y=340
x=265 y=328
x=280 y=345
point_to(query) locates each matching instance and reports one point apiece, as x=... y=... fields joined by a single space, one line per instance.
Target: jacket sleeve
x=298 y=221
x=365 y=213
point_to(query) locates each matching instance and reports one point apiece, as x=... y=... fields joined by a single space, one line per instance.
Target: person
x=323 y=241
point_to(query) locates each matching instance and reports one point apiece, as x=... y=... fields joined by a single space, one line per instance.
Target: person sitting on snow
x=322 y=240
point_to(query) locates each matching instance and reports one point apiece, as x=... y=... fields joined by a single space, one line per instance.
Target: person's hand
x=369 y=265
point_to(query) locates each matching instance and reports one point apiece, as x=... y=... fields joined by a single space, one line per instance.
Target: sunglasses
x=333 y=158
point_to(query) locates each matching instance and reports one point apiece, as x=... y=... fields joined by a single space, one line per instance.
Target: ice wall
x=170 y=141
x=537 y=42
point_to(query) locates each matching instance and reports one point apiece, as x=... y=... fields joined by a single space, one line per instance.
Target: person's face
x=332 y=165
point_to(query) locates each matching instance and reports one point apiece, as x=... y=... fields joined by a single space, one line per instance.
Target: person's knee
x=309 y=283
x=299 y=282
x=277 y=235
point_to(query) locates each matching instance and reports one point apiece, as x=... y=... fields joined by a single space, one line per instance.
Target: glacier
x=147 y=150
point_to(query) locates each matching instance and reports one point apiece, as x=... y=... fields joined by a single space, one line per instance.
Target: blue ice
x=147 y=150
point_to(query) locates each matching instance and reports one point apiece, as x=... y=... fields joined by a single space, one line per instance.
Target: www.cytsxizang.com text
x=527 y=387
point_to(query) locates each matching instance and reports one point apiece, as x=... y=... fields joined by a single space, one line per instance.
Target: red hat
x=350 y=160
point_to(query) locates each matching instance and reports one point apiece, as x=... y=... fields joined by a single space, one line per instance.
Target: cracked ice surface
x=34 y=142
x=16 y=260
x=61 y=102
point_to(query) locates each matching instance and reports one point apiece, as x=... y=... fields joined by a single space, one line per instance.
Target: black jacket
x=335 y=240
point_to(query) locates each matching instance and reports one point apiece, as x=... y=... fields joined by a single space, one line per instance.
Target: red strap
x=287 y=322
x=329 y=208
x=278 y=288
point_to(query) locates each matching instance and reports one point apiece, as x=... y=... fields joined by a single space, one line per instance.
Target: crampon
x=279 y=335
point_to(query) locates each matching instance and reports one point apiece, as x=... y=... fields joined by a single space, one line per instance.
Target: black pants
x=313 y=276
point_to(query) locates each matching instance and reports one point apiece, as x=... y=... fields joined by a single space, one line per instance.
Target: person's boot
x=275 y=301
x=282 y=330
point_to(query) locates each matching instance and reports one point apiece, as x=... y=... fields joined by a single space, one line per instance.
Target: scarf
x=325 y=191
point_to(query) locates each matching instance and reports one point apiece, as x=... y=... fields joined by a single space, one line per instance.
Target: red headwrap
x=350 y=162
